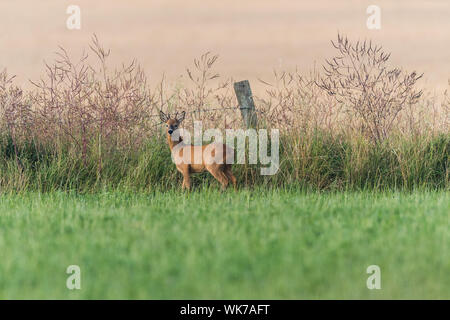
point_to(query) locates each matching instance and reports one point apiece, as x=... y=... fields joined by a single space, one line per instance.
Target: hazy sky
x=252 y=37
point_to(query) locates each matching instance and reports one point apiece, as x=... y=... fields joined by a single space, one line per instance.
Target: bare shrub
x=294 y=102
x=15 y=108
x=89 y=105
x=206 y=97
x=360 y=79
x=446 y=109
x=197 y=97
x=15 y=113
x=428 y=117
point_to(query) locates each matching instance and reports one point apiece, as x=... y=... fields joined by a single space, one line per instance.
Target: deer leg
x=230 y=176
x=220 y=176
x=186 y=180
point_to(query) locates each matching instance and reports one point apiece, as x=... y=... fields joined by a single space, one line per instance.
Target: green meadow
x=250 y=244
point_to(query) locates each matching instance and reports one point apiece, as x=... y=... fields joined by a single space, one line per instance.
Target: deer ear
x=181 y=116
x=163 y=117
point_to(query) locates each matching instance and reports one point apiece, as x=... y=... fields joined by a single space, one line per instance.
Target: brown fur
x=221 y=171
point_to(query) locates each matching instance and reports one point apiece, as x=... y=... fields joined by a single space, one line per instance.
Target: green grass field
x=252 y=244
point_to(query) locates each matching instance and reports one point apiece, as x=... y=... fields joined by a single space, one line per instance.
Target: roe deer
x=221 y=170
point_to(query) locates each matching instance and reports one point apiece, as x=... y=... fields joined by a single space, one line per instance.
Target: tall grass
x=87 y=127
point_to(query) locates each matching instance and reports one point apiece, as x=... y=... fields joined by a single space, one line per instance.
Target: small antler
x=180 y=117
x=163 y=117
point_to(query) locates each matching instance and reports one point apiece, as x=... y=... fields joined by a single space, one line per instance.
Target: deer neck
x=172 y=143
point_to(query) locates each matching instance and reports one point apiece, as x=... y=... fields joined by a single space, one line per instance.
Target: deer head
x=172 y=124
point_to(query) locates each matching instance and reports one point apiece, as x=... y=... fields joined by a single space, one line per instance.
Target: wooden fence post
x=246 y=105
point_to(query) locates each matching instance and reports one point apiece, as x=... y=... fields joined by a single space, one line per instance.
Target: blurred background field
x=252 y=37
